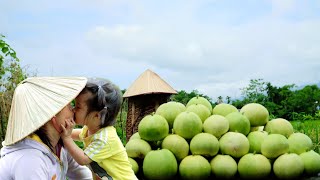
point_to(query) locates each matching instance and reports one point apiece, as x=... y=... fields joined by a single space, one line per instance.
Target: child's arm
x=76 y=152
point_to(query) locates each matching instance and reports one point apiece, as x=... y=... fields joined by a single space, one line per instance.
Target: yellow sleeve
x=99 y=148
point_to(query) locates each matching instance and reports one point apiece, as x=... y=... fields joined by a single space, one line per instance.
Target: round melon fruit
x=153 y=128
x=299 y=143
x=254 y=166
x=311 y=161
x=223 y=166
x=255 y=140
x=204 y=144
x=234 y=144
x=201 y=110
x=257 y=114
x=238 y=123
x=194 y=167
x=170 y=111
x=274 y=145
x=187 y=125
x=288 y=166
x=224 y=109
x=216 y=125
x=177 y=145
x=134 y=165
x=137 y=148
x=200 y=100
x=159 y=165
x=279 y=126
x=135 y=136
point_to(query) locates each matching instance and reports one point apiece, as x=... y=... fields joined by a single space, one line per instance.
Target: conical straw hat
x=148 y=83
x=36 y=100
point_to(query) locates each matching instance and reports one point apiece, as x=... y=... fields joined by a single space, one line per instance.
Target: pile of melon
x=197 y=141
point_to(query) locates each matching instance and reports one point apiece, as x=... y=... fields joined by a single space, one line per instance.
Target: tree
x=219 y=100
x=184 y=97
x=11 y=74
x=6 y=51
x=255 y=92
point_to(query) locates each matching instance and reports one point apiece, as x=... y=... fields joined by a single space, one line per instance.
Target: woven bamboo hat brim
x=36 y=100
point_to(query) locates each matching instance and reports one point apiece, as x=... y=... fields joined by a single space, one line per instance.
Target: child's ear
x=97 y=115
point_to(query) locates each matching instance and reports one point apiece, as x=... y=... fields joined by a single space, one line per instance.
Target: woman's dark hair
x=42 y=133
x=106 y=98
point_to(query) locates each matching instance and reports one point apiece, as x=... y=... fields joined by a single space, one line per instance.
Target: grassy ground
x=311 y=128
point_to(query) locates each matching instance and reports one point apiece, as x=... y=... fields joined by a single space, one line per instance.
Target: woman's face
x=62 y=116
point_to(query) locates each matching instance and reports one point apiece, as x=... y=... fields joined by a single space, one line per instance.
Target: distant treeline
x=287 y=101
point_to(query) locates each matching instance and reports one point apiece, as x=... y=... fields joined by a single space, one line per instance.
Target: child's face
x=81 y=108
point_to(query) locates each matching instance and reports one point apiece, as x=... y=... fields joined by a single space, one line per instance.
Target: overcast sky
x=214 y=46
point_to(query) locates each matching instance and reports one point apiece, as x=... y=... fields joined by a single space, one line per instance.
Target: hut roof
x=148 y=83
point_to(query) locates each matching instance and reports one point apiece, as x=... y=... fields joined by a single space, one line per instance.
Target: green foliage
x=256 y=91
x=121 y=122
x=11 y=75
x=5 y=51
x=283 y=101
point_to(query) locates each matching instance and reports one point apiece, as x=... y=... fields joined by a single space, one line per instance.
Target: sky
x=213 y=46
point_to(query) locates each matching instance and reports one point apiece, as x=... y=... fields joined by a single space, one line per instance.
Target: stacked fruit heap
x=198 y=142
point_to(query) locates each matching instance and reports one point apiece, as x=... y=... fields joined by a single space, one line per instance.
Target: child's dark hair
x=106 y=99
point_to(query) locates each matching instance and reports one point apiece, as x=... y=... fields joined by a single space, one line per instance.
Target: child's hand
x=67 y=131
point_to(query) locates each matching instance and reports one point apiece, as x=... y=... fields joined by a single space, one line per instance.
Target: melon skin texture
x=257 y=114
x=135 y=136
x=201 y=110
x=137 y=148
x=204 y=144
x=177 y=145
x=255 y=140
x=187 y=125
x=311 y=161
x=299 y=143
x=200 y=100
x=234 y=144
x=159 y=165
x=274 y=145
x=224 y=166
x=153 y=128
x=224 y=109
x=216 y=125
x=238 y=123
x=254 y=166
x=194 y=167
x=279 y=126
x=288 y=166
x=170 y=111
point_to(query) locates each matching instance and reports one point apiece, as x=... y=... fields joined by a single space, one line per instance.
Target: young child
x=97 y=107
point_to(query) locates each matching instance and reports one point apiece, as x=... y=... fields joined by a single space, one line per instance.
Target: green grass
x=311 y=128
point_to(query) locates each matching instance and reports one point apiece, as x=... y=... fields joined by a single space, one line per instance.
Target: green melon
x=187 y=125
x=170 y=111
x=177 y=145
x=224 y=109
x=153 y=128
x=159 y=165
x=194 y=167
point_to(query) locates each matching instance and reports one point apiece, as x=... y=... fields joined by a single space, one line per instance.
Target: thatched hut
x=144 y=96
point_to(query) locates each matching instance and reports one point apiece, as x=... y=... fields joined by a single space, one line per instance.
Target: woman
x=32 y=147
